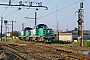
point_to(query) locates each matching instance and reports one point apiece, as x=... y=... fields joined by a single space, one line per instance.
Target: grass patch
x=61 y=42
x=11 y=41
x=85 y=43
x=75 y=43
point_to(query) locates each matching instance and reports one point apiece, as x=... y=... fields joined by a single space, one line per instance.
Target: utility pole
x=35 y=19
x=1 y=26
x=22 y=26
x=57 y=24
x=9 y=2
x=57 y=32
x=12 y=28
x=80 y=24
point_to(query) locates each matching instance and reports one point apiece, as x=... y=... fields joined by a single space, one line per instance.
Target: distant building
x=65 y=36
x=86 y=34
x=73 y=35
x=8 y=34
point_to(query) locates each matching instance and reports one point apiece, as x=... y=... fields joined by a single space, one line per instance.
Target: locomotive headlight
x=48 y=31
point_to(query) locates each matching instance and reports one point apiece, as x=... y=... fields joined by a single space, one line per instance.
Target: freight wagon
x=40 y=33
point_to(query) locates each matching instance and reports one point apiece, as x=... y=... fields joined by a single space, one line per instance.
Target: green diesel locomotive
x=40 y=33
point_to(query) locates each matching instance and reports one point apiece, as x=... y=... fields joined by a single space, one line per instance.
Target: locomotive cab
x=43 y=31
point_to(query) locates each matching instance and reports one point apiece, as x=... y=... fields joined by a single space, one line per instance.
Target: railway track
x=37 y=51
x=25 y=53
x=9 y=51
x=58 y=53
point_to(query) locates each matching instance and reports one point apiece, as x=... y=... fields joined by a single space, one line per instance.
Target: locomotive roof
x=28 y=28
x=42 y=26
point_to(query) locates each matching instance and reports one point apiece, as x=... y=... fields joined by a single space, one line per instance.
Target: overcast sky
x=62 y=11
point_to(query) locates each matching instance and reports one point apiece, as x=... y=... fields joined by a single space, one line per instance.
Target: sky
x=61 y=11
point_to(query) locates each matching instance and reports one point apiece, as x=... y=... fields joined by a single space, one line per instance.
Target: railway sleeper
x=62 y=50
x=15 y=54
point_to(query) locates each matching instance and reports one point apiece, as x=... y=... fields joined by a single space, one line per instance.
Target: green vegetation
x=11 y=41
x=85 y=43
x=61 y=42
x=2 y=35
x=14 y=41
x=75 y=43
x=15 y=33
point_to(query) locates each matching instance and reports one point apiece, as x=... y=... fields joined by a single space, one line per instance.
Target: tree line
x=15 y=33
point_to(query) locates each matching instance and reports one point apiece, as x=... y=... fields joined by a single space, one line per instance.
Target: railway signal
x=80 y=24
x=5 y=22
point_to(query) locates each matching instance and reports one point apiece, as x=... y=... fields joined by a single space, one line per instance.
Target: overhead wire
x=35 y=0
x=4 y=11
x=29 y=22
x=49 y=2
x=69 y=22
x=59 y=9
x=56 y=10
x=58 y=4
x=67 y=17
x=11 y=13
x=64 y=18
x=14 y=12
x=13 y=0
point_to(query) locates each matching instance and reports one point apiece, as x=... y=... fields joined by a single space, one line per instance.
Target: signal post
x=80 y=24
